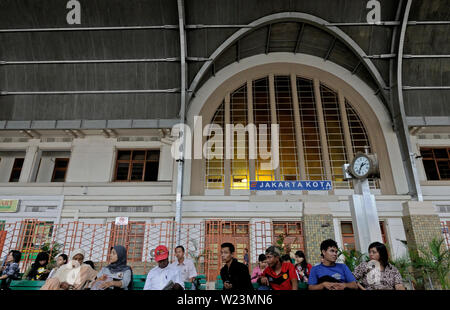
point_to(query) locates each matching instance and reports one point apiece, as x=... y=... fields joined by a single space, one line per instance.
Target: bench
x=139 y=282
x=22 y=285
x=219 y=284
x=202 y=281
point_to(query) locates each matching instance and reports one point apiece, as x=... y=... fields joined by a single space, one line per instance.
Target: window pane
x=444 y=169
x=122 y=172
x=18 y=163
x=153 y=155
x=124 y=155
x=59 y=176
x=61 y=162
x=138 y=155
x=137 y=171
x=15 y=175
x=347 y=228
x=430 y=170
x=426 y=153
x=441 y=153
x=151 y=171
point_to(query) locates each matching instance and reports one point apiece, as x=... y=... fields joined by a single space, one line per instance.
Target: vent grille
x=56 y=139
x=443 y=209
x=130 y=209
x=136 y=139
x=13 y=140
x=40 y=208
x=433 y=136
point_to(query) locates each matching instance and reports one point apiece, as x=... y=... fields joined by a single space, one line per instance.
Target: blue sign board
x=291 y=185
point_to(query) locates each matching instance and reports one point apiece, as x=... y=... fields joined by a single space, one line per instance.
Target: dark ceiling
x=137 y=46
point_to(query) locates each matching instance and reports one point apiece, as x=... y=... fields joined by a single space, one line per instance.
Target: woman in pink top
x=258 y=270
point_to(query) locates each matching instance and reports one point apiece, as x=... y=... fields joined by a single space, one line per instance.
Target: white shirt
x=158 y=278
x=187 y=269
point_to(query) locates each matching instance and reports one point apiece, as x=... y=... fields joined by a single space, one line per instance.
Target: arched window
x=319 y=131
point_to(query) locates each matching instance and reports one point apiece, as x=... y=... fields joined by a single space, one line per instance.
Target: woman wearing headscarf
x=38 y=271
x=117 y=275
x=74 y=275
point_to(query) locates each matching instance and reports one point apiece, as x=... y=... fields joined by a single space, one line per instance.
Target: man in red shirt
x=280 y=276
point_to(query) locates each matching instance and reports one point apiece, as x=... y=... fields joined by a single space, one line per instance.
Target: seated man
x=184 y=265
x=235 y=275
x=278 y=275
x=330 y=275
x=163 y=276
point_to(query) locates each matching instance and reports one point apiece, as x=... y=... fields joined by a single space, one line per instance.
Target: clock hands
x=360 y=167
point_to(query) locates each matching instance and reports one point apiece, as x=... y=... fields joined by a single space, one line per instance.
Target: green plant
x=404 y=266
x=193 y=253
x=433 y=261
x=285 y=248
x=53 y=249
x=352 y=258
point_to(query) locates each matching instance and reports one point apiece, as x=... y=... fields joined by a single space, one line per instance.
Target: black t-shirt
x=238 y=275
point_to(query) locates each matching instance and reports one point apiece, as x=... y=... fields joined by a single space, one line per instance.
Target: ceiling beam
x=299 y=37
x=269 y=29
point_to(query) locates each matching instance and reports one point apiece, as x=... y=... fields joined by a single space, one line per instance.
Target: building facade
x=86 y=119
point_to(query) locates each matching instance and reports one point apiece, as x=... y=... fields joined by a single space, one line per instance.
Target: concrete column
x=274 y=120
x=298 y=130
x=317 y=226
x=165 y=163
x=421 y=224
x=251 y=136
x=322 y=130
x=28 y=164
x=229 y=147
x=345 y=127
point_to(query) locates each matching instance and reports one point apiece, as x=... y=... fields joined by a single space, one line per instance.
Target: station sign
x=290 y=185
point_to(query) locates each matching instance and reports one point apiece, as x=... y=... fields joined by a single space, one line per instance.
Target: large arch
x=298 y=17
x=372 y=111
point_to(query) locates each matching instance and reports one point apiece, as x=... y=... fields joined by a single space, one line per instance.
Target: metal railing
x=201 y=241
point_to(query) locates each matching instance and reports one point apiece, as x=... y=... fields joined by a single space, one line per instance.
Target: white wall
x=6 y=165
x=396 y=232
x=45 y=171
x=92 y=160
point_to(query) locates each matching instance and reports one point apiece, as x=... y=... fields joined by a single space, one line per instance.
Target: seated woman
x=38 y=271
x=72 y=276
x=116 y=275
x=378 y=274
x=61 y=259
x=302 y=267
x=10 y=269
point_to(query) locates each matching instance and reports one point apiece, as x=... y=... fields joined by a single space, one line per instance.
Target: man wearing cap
x=163 y=276
x=278 y=275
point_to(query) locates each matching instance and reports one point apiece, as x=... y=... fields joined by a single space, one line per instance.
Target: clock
x=363 y=166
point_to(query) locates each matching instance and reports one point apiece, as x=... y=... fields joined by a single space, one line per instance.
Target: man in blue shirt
x=330 y=275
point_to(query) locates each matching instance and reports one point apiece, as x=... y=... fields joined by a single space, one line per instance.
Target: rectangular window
x=436 y=162
x=59 y=172
x=137 y=165
x=33 y=236
x=348 y=236
x=16 y=170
